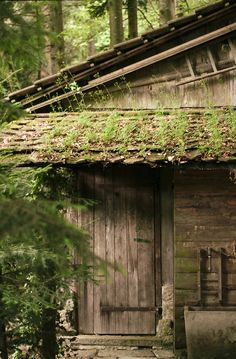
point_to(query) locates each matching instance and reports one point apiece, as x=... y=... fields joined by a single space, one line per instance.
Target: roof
x=152 y=137
x=176 y=36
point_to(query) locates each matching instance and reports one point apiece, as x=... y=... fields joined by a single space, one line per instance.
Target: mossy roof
x=152 y=137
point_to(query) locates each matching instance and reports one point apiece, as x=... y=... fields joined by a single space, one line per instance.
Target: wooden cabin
x=149 y=127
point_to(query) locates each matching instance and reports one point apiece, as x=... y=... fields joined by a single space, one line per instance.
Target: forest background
x=38 y=37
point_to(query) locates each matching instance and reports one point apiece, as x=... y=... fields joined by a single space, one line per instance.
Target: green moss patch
x=144 y=136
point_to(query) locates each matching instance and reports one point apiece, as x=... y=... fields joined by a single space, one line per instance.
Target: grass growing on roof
x=133 y=134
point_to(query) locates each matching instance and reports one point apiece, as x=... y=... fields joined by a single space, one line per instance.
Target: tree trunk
x=132 y=18
x=3 y=341
x=58 y=46
x=166 y=10
x=49 y=340
x=115 y=21
x=49 y=347
x=91 y=47
x=54 y=49
x=3 y=338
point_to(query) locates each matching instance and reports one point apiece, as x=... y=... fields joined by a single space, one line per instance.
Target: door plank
x=85 y=219
x=99 y=249
x=145 y=232
x=123 y=226
x=109 y=318
x=132 y=248
x=121 y=279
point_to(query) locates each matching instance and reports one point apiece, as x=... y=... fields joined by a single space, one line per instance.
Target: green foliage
x=180 y=125
x=36 y=237
x=110 y=130
x=9 y=112
x=185 y=7
x=97 y=8
x=22 y=38
x=80 y=29
x=87 y=22
x=231 y=121
x=162 y=131
x=215 y=140
x=171 y=132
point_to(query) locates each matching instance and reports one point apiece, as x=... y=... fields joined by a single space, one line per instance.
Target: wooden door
x=124 y=230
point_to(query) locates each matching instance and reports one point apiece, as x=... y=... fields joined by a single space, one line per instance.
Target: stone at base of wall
x=165 y=330
x=165 y=325
x=117 y=352
x=94 y=346
x=168 y=301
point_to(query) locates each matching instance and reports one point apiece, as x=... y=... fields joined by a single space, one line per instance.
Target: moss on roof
x=121 y=136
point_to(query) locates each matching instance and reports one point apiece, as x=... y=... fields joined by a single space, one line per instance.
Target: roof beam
x=84 y=74
x=143 y=63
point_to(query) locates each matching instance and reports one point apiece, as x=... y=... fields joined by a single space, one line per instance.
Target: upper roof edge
x=122 y=47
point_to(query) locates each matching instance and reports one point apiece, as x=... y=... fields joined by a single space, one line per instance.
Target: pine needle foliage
x=36 y=255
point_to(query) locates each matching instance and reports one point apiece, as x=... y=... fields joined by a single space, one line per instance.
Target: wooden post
x=167 y=249
x=199 y=276
x=220 y=281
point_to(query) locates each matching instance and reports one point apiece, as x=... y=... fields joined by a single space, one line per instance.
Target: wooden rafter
x=157 y=38
x=142 y=64
x=202 y=77
x=212 y=60
x=190 y=66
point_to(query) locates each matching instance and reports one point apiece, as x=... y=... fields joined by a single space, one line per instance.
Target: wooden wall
x=151 y=93
x=205 y=218
x=158 y=85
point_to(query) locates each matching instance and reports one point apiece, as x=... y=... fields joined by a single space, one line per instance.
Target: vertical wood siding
x=124 y=229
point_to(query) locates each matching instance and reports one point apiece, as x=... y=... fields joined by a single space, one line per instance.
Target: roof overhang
x=128 y=137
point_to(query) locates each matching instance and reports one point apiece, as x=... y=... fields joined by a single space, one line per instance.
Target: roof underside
x=153 y=137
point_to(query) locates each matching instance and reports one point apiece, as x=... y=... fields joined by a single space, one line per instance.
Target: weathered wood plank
x=132 y=247
x=205 y=203
x=85 y=218
x=110 y=247
x=167 y=220
x=189 y=248
x=72 y=216
x=121 y=279
x=190 y=265
x=99 y=250
x=215 y=233
x=157 y=244
x=229 y=297
x=145 y=235
x=207 y=216
x=209 y=280
x=162 y=56
x=186 y=297
x=186 y=281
